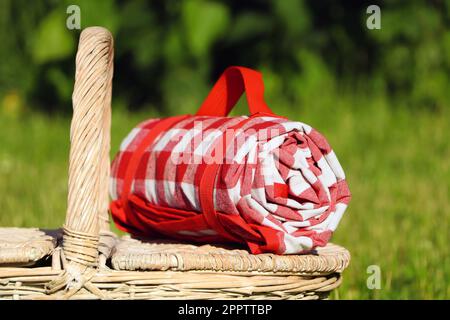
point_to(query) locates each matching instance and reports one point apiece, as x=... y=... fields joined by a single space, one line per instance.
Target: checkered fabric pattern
x=278 y=188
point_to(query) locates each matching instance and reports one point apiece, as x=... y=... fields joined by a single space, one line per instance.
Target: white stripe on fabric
x=165 y=139
x=272 y=119
x=292 y=125
x=208 y=140
x=169 y=192
x=324 y=186
x=309 y=175
x=298 y=185
x=297 y=224
x=328 y=176
x=270 y=172
x=266 y=222
x=150 y=190
x=189 y=192
x=260 y=195
x=296 y=244
x=308 y=214
x=235 y=193
x=186 y=141
x=256 y=206
x=336 y=218
x=297 y=205
x=245 y=149
x=113 y=188
x=306 y=128
x=300 y=158
x=129 y=138
x=335 y=165
x=272 y=144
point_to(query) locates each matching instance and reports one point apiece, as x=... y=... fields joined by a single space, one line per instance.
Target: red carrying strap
x=206 y=189
x=208 y=182
x=233 y=82
x=161 y=126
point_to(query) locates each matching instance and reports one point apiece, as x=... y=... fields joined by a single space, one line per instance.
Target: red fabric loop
x=230 y=87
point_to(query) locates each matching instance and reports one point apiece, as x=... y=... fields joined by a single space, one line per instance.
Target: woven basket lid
x=24 y=246
x=131 y=254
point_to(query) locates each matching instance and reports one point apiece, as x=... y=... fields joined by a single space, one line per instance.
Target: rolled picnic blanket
x=261 y=180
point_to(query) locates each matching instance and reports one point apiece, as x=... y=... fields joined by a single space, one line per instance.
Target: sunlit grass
x=396 y=161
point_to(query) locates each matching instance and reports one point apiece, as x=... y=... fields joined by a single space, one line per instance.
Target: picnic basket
x=85 y=260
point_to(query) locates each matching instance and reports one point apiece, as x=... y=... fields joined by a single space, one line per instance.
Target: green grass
x=396 y=161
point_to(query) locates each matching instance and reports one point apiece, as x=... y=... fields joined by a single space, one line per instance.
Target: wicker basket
x=85 y=260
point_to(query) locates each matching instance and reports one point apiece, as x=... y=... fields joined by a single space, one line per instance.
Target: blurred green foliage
x=169 y=52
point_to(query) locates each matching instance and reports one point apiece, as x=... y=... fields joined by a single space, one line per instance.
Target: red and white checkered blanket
x=265 y=181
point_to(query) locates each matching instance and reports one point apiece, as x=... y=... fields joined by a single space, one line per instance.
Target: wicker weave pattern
x=187 y=272
x=19 y=283
x=89 y=137
x=24 y=247
x=133 y=255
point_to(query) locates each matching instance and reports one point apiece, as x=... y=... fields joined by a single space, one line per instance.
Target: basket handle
x=87 y=208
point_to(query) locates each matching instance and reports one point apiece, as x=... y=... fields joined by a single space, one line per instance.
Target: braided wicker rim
x=131 y=254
